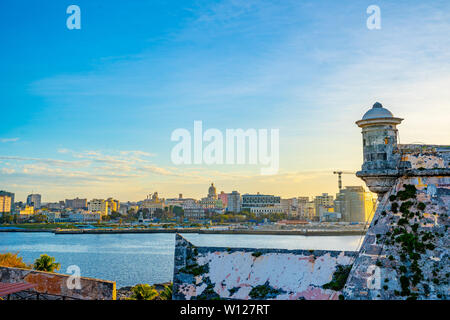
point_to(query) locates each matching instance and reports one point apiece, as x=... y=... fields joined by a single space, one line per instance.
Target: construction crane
x=340 y=173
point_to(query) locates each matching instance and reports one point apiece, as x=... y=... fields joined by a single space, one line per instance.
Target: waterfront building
x=355 y=204
x=76 y=203
x=306 y=209
x=190 y=203
x=29 y=210
x=259 y=200
x=53 y=206
x=52 y=216
x=99 y=206
x=211 y=203
x=195 y=213
x=152 y=203
x=114 y=205
x=234 y=202
x=34 y=200
x=325 y=200
x=289 y=206
x=84 y=216
x=180 y=201
x=6 y=202
x=222 y=196
x=266 y=210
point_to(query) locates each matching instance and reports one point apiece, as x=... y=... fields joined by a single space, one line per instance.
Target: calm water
x=129 y=259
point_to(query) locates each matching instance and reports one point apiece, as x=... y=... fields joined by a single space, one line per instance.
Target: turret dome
x=377 y=111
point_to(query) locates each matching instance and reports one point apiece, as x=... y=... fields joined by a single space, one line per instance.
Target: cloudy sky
x=90 y=112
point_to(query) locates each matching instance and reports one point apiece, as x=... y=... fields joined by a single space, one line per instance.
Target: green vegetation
x=394 y=207
x=144 y=292
x=263 y=291
x=339 y=278
x=47 y=226
x=408 y=193
x=12 y=260
x=247 y=216
x=166 y=293
x=411 y=243
x=195 y=269
x=46 y=263
x=256 y=254
x=208 y=294
x=233 y=290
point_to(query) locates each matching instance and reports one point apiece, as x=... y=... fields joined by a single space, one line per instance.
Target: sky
x=90 y=112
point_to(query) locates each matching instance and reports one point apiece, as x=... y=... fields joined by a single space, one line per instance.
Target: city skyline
x=90 y=112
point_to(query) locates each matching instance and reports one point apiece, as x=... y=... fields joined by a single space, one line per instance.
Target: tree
x=166 y=293
x=143 y=292
x=178 y=211
x=6 y=218
x=39 y=218
x=46 y=263
x=12 y=260
x=115 y=215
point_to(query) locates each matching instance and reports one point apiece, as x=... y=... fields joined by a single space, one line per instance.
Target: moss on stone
x=263 y=292
x=339 y=278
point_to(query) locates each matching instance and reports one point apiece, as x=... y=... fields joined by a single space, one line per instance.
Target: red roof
x=8 y=288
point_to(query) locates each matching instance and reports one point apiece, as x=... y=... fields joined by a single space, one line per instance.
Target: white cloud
x=6 y=140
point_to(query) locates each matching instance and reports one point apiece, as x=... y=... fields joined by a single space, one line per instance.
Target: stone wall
x=405 y=251
x=54 y=285
x=243 y=273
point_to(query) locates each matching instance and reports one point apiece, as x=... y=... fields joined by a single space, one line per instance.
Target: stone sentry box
x=257 y=274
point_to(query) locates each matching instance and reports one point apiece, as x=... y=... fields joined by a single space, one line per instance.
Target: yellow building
x=29 y=210
x=5 y=204
x=114 y=205
x=355 y=204
x=99 y=206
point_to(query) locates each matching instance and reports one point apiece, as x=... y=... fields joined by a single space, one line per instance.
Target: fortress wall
x=397 y=260
x=424 y=156
x=51 y=286
x=245 y=273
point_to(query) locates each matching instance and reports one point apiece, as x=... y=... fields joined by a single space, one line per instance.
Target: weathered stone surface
x=405 y=252
x=243 y=273
x=55 y=284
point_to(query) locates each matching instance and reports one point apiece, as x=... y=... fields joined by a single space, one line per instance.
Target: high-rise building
x=6 y=202
x=234 y=202
x=355 y=204
x=114 y=205
x=224 y=198
x=34 y=200
x=259 y=200
x=289 y=206
x=99 y=206
x=261 y=204
x=325 y=200
x=76 y=203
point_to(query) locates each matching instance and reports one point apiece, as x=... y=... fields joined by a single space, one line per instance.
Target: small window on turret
x=386 y=140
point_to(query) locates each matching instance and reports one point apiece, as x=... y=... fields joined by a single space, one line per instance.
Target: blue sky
x=90 y=112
